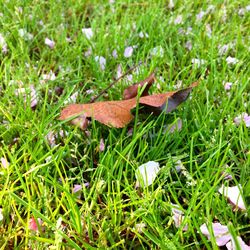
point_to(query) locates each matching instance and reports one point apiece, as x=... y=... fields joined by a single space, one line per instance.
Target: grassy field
x=63 y=188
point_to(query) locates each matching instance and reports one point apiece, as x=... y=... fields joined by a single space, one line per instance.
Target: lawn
x=66 y=188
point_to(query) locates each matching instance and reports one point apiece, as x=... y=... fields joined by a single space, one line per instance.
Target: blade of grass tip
x=140 y=91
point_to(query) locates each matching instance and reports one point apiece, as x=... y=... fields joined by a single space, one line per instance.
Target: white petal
x=1 y=214
x=114 y=53
x=139 y=227
x=200 y=15
x=147 y=173
x=157 y=51
x=198 y=62
x=232 y=246
x=234 y=195
x=178 y=217
x=50 y=43
x=128 y=51
x=4 y=162
x=171 y=4
x=221 y=233
x=227 y=85
x=178 y=19
x=102 y=62
x=232 y=60
x=87 y=32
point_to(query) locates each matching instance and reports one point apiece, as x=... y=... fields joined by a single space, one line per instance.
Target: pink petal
x=128 y=51
x=178 y=217
x=33 y=225
x=87 y=32
x=232 y=246
x=221 y=233
x=4 y=163
x=227 y=85
x=50 y=43
x=102 y=62
x=114 y=53
x=102 y=145
x=234 y=195
x=77 y=188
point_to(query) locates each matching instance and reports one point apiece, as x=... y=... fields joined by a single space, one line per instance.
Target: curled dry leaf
x=132 y=91
x=118 y=113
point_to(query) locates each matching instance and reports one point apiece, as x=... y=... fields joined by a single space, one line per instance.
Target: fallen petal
x=178 y=217
x=128 y=51
x=139 y=227
x=220 y=232
x=102 y=62
x=232 y=60
x=1 y=214
x=87 y=32
x=234 y=195
x=227 y=85
x=50 y=43
x=232 y=246
x=77 y=188
x=157 y=51
x=147 y=173
x=4 y=162
x=33 y=225
x=102 y=145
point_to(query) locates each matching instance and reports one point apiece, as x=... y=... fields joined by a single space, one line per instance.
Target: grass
x=40 y=177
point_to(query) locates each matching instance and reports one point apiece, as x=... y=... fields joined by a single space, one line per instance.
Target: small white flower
x=234 y=195
x=49 y=43
x=102 y=62
x=157 y=51
x=128 y=51
x=88 y=32
x=178 y=19
x=231 y=60
x=147 y=173
x=198 y=62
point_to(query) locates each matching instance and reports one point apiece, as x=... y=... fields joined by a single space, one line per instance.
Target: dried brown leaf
x=118 y=113
x=132 y=91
